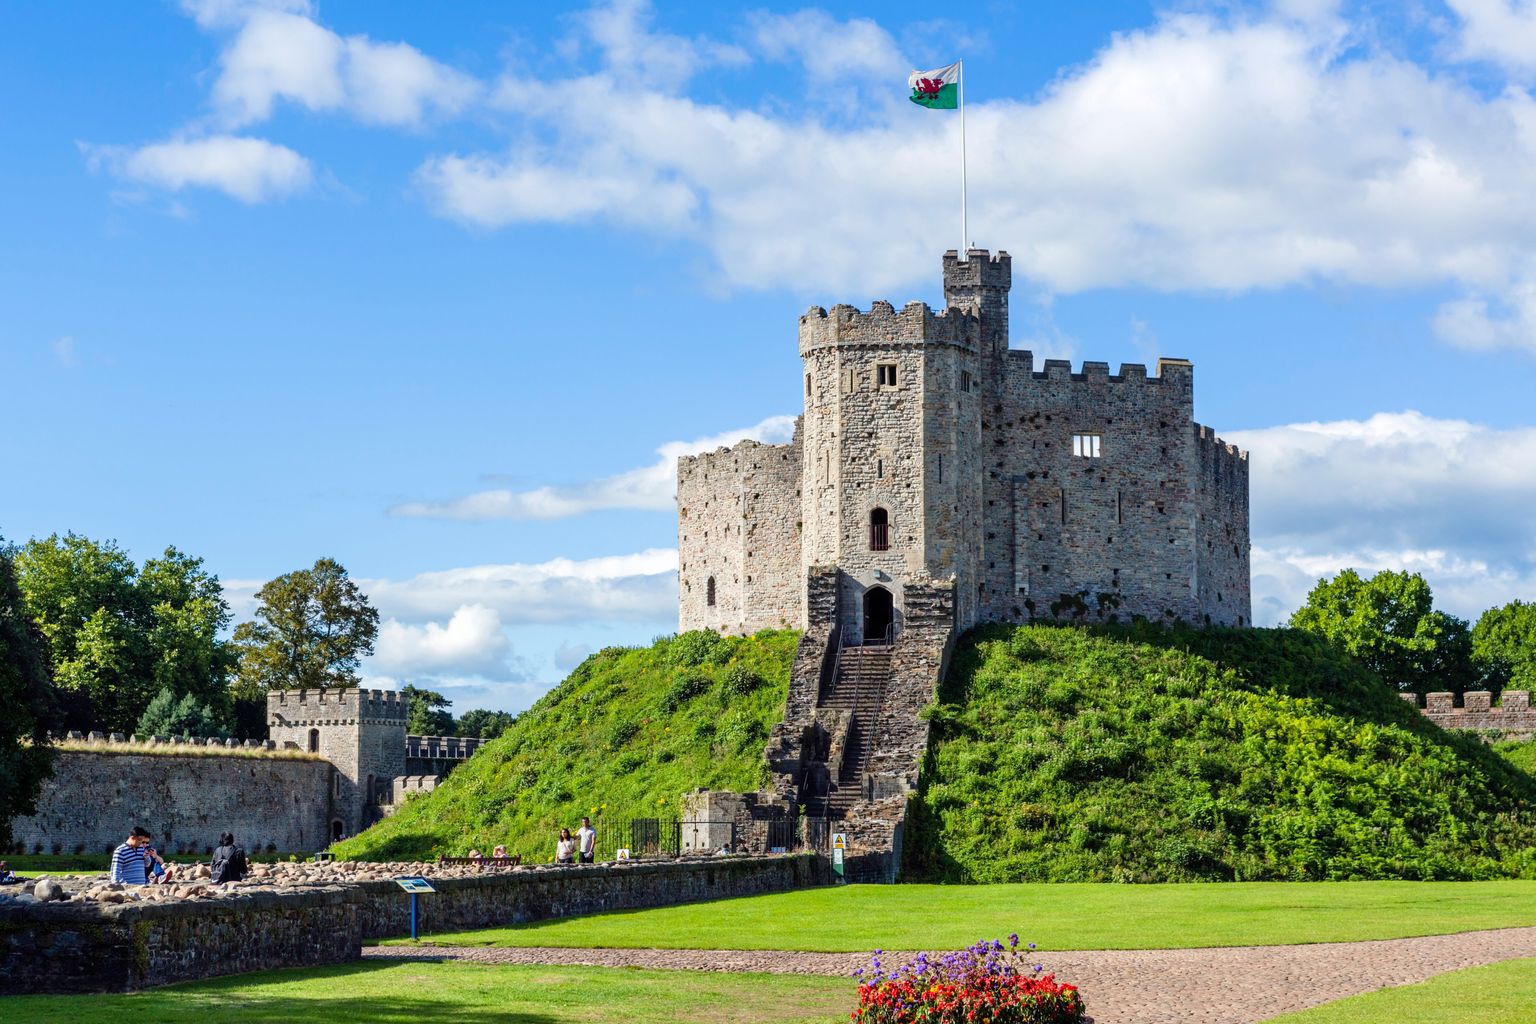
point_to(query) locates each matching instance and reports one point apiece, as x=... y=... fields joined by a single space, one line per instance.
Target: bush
x=684 y=689
x=741 y=680
x=699 y=647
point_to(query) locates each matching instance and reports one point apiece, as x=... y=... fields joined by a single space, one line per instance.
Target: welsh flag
x=938 y=89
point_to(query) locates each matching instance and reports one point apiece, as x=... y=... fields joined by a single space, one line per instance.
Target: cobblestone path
x=1234 y=985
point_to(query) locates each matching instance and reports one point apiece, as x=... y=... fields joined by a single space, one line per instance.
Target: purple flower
x=1013 y=940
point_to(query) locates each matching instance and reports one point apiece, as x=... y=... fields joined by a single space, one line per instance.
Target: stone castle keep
x=930 y=451
x=938 y=480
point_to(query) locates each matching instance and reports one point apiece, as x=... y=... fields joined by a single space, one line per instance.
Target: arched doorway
x=879 y=615
x=314 y=741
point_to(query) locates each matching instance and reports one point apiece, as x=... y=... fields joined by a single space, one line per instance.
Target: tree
x=1389 y=622
x=185 y=612
x=312 y=629
x=427 y=713
x=168 y=716
x=1504 y=646
x=485 y=724
x=25 y=694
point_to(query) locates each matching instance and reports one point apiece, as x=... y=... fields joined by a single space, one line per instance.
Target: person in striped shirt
x=128 y=859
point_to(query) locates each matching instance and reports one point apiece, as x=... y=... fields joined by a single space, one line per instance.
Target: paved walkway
x=1236 y=985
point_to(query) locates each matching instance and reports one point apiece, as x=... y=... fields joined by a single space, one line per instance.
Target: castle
x=930 y=451
x=335 y=761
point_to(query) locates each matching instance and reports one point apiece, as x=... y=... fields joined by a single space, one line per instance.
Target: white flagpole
x=965 y=242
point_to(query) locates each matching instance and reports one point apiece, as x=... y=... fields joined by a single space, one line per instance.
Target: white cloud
x=64 y=351
x=648 y=487
x=631 y=49
x=250 y=170
x=279 y=55
x=640 y=587
x=1202 y=153
x=1452 y=499
x=473 y=642
x=829 y=49
x=211 y=14
x=1502 y=32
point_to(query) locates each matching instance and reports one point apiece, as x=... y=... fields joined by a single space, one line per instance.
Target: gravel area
x=1233 y=985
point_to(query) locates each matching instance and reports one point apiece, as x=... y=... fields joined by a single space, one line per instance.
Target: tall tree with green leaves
x=312 y=629
x=427 y=712
x=118 y=634
x=25 y=694
x=485 y=724
x=1390 y=623
x=1504 y=646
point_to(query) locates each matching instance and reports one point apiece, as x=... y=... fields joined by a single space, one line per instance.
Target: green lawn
x=411 y=993
x=1502 y=993
x=1064 y=916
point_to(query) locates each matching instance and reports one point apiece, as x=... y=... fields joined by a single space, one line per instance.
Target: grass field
x=1497 y=994
x=864 y=917
x=414 y=992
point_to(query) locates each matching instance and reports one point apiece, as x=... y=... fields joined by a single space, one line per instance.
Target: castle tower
x=891 y=480
x=361 y=732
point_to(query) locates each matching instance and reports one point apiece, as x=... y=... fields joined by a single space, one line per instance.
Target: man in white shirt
x=586 y=838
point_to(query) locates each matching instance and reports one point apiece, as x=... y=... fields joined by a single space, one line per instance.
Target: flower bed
x=988 y=983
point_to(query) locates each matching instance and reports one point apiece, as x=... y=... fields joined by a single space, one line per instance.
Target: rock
x=47 y=889
x=201 y=871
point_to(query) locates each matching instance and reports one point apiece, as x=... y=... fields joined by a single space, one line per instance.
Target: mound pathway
x=1232 y=985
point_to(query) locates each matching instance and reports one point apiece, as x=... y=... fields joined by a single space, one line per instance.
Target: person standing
x=229 y=864
x=586 y=840
x=128 y=859
x=565 y=848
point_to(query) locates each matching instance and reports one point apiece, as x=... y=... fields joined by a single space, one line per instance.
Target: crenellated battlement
x=117 y=742
x=1176 y=372
x=450 y=748
x=1206 y=437
x=313 y=707
x=1512 y=718
x=914 y=324
x=979 y=269
x=740 y=455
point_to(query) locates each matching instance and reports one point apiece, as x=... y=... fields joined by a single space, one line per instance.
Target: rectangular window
x=1119 y=509
x=1086 y=445
x=885 y=375
x=941 y=467
x=1063 y=506
x=880 y=469
x=965 y=380
x=850 y=382
x=807 y=385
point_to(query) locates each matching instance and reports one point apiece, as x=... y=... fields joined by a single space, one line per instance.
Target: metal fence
x=654 y=838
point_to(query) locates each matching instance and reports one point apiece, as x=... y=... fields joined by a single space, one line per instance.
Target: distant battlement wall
x=110 y=742
x=1512 y=718
x=915 y=324
x=1171 y=373
x=335 y=706
x=439 y=748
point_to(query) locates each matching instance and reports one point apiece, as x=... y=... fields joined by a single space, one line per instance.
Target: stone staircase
x=859 y=687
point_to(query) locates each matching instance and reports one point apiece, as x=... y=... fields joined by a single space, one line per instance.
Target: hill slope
x=1141 y=754
x=622 y=737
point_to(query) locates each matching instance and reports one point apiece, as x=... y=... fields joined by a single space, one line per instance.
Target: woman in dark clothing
x=229 y=863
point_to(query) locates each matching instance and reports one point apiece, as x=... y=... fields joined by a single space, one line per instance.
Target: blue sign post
x=414 y=886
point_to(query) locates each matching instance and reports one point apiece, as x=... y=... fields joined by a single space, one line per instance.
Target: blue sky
x=441 y=292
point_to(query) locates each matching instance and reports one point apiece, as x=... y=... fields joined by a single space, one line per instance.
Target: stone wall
x=1221 y=531
x=361 y=732
x=185 y=800
x=72 y=947
x=738 y=528
x=1512 y=718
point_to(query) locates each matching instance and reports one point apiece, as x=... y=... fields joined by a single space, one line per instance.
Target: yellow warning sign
x=839 y=840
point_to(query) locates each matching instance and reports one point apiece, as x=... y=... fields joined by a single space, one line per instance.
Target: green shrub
x=684 y=689
x=741 y=680
x=699 y=647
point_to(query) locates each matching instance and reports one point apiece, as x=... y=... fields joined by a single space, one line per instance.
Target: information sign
x=839 y=840
x=414 y=885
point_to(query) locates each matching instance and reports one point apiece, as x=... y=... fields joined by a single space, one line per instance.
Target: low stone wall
x=184 y=800
x=1512 y=718
x=65 y=948
x=87 y=947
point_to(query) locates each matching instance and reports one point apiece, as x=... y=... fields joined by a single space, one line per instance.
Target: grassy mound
x=1140 y=754
x=622 y=737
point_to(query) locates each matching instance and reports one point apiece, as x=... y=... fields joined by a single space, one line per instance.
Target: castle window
x=314 y=741
x=885 y=374
x=1119 y=506
x=1085 y=445
x=879 y=530
x=941 y=467
x=880 y=469
x=807 y=385
x=965 y=380
x=709 y=592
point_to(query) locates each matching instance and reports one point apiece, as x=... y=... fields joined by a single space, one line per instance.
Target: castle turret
x=980 y=283
x=361 y=732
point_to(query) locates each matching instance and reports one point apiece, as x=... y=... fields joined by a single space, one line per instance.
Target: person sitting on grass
x=565 y=848
x=128 y=859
